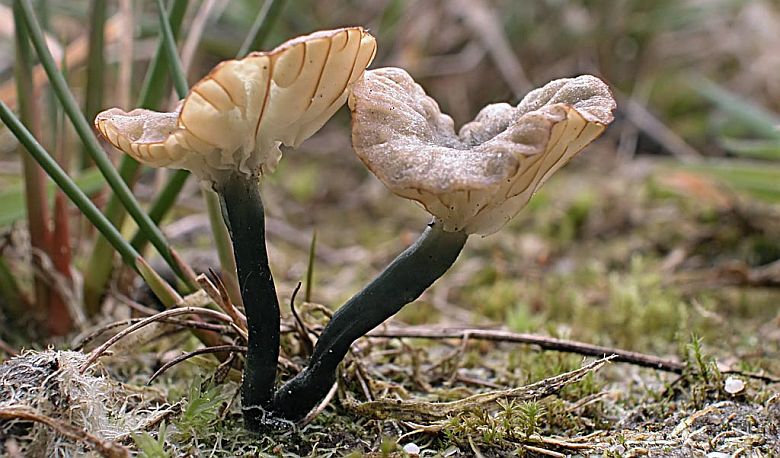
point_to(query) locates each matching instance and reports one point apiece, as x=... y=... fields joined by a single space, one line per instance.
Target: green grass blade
x=64 y=182
x=756 y=149
x=761 y=121
x=224 y=246
x=153 y=91
x=93 y=101
x=84 y=130
x=221 y=235
x=265 y=20
x=761 y=180
x=169 y=42
x=310 y=268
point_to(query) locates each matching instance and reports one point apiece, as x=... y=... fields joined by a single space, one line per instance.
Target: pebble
x=412 y=449
x=734 y=385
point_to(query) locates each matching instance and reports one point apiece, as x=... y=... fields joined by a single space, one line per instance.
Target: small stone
x=412 y=449
x=734 y=385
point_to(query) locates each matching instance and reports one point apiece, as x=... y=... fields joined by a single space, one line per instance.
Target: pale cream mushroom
x=477 y=180
x=236 y=117
x=227 y=132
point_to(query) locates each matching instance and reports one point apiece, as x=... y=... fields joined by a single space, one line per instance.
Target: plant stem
x=64 y=182
x=265 y=19
x=85 y=132
x=152 y=92
x=95 y=63
x=224 y=247
x=242 y=209
x=38 y=218
x=403 y=281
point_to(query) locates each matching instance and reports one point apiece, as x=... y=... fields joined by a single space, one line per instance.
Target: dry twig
x=546 y=343
x=303 y=331
x=147 y=321
x=200 y=351
x=104 y=447
x=551 y=343
x=426 y=411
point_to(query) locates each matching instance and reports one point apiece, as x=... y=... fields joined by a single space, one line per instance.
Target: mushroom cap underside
x=236 y=117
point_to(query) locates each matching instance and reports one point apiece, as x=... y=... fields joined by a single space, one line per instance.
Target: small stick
x=224 y=302
x=543 y=451
x=321 y=406
x=82 y=342
x=551 y=343
x=102 y=446
x=200 y=351
x=146 y=321
x=303 y=331
x=547 y=343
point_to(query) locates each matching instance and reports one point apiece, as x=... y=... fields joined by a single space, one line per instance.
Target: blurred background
x=663 y=232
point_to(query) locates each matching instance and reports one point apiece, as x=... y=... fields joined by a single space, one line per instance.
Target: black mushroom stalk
x=227 y=132
x=403 y=281
x=472 y=182
x=242 y=210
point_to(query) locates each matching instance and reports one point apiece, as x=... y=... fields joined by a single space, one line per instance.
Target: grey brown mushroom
x=478 y=179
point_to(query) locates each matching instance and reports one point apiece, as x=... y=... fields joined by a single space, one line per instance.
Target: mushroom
x=472 y=182
x=477 y=180
x=227 y=132
x=236 y=117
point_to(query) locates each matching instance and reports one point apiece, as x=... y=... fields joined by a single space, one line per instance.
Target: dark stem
x=242 y=209
x=403 y=281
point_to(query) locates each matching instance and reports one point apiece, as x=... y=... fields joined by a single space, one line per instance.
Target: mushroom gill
x=236 y=117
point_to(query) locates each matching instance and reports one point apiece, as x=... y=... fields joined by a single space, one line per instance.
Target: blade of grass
x=761 y=180
x=265 y=20
x=87 y=136
x=220 y=232
x=227 y=260
x=64 y=182
x=169 y=43
x=152 y=93
x=59 y=321
x=34 y=178
x=95 y=62
x=761 y=121
x=757 y=149
x=164 y=202
x=310 y=267
x=129 y=255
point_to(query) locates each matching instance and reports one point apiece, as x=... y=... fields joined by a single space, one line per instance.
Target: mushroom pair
x=228 y=131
